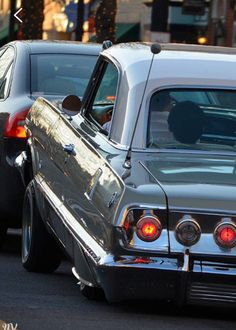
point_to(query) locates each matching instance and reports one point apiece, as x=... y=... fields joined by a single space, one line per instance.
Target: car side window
x=102 y=106
x=6 y=60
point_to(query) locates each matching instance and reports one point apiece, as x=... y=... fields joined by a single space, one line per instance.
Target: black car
x=29 y=69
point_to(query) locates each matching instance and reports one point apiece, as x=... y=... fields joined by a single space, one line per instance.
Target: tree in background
x=33 y=19
x=105 y=21
x=11 y=34
x=80 y=21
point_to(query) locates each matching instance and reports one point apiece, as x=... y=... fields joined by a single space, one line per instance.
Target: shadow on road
x=152 y=308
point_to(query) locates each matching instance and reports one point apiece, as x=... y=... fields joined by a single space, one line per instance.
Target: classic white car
x=139 y=186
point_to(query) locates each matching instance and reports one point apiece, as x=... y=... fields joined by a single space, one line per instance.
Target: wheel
x=91 y=293
x=40 y=252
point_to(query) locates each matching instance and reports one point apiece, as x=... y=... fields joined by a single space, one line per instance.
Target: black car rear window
x=60 y=74
x=192 y=119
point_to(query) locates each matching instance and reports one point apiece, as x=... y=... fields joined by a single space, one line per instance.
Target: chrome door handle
x=70 y=149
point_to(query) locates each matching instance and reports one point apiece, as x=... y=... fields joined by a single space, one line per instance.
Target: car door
x=64 y=142
x=43 y=124
x=62 y=168
x=92 y=188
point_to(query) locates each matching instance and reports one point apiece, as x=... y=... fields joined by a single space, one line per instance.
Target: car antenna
x=106 y=44
x=155 y=49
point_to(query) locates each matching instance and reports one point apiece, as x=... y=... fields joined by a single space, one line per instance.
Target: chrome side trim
x=184 y=151
x=91 y=247
x=80 y=279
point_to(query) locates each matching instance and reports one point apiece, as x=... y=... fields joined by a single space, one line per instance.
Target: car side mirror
x=71 y=105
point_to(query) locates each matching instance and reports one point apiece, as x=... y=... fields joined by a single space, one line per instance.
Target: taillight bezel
x=131 y=217
x=151 y=220
x=219 y=228
x=187 y=221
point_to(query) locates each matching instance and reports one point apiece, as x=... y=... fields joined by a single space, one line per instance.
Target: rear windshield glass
x=63 y=74
x=192 y=119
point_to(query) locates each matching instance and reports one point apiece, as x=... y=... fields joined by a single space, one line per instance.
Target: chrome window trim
x=85 y=113
x=168 y=88
x=186 y=151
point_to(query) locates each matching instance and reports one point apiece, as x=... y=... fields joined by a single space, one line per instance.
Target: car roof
x=129 y=53
x=44 y=46
x=178 y=64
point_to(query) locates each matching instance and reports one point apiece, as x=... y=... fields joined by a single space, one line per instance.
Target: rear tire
x=40 y=252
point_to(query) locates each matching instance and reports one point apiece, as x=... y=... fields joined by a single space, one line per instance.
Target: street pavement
x=30 y=301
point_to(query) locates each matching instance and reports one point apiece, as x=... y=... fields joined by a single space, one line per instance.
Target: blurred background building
x=187 y=21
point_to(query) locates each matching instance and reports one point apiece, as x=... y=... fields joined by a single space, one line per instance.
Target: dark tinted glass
x=192 y=119
x=63 y=74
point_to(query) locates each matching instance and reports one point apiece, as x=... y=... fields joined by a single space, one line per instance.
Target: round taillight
x=225 y=235
x=188 y=232
x=148 y=228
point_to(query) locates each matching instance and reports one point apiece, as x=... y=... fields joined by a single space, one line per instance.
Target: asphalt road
x=39 y=301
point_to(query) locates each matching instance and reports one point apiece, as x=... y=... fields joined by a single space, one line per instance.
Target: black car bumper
x=11 y=187
x=165 y=279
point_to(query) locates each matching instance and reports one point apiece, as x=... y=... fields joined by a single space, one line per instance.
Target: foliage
x=105 y=20
x=33 y=19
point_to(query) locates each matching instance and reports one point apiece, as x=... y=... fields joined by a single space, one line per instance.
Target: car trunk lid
x=197 y=186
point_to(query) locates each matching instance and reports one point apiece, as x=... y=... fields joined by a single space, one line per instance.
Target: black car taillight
x=187 y=231
x=225 y=235
x=144 y=224
x=15 y=125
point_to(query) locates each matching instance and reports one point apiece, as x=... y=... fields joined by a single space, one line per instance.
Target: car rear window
x=60 y=74
x=192 y=119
